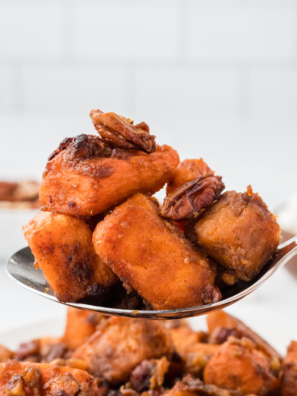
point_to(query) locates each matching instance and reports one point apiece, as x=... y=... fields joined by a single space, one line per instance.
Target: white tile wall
x=30 y=29
x=186 y=91
x=6 y=87
x=60 y=55
x=72 y=89
x=241 y=33
x=131 y=32
x=273 y=92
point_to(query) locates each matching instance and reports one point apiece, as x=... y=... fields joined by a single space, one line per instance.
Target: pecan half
x=119 y=132
x=192 y=198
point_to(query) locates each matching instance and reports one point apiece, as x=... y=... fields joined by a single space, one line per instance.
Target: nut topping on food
x=192 y=198
x=119 y=132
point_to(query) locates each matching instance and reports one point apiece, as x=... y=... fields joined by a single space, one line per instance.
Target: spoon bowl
x=20 y=269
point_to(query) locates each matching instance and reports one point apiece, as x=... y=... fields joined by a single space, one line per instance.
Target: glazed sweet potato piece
x=239 y=232
x=187 y=171
x=238 y=365
x=152 y=257
x=184 y=338
x=289 y=375
x=85 y=177
x=120 y=344
x=80 y=325
x=221 y=325
x=5 y=354
x=29 y=379
x=63 y=250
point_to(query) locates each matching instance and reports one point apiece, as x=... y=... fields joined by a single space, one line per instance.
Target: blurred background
x=215 y=79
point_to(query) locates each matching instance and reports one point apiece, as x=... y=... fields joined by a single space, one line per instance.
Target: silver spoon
x=20 y=269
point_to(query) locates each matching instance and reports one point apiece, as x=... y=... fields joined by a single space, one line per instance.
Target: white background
x=215 y=79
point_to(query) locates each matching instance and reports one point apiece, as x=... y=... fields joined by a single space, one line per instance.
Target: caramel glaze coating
x=63 y=249
x=238 y=365
x=151 y=256
x=86 y=177
x=187 y=171
x=120 y=344
x=223 y=321
x=42 y=379
x=80 y=325
x=289 y=375
x=239 y=232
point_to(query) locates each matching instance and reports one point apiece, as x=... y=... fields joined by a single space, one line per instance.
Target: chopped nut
x=229 y=277
x=275 y=365
x=77 y=363
x=159 y=373
x=246 y=342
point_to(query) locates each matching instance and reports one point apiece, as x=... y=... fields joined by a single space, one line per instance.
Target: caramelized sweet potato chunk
x=152 y=257
x=62 y=246
x=85 y=177
x=80 y=325
x=238 y=365
x=289 y=375
x=239 y=232
x=120 y=344
x=184 y=338
x=187 y=171
x=221 y=325
x=34 y=379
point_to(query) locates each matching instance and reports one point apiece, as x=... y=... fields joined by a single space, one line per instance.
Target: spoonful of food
x=103 y=242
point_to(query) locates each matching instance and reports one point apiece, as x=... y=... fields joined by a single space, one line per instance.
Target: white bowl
x=11 y=234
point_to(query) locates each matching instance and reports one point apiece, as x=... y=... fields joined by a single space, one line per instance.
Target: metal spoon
x=20 y=269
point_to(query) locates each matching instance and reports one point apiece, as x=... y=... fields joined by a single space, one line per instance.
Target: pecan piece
x=119 y=132
x=192 y=198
